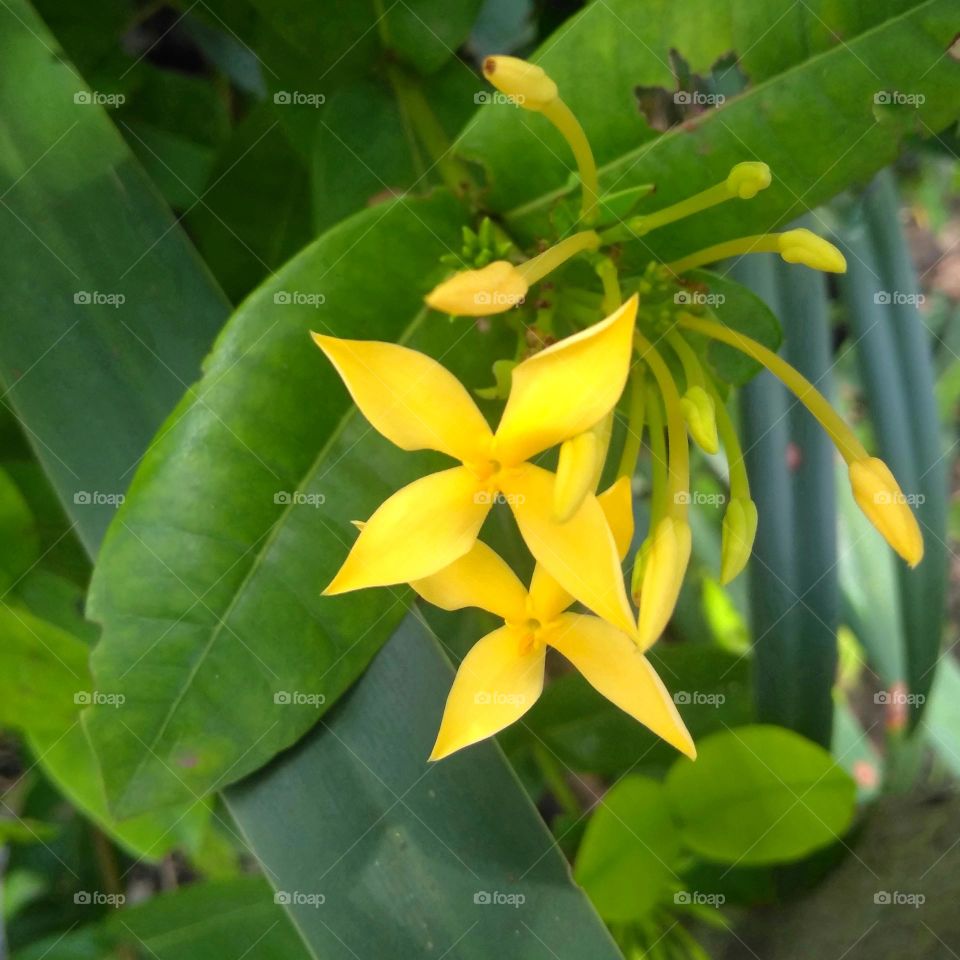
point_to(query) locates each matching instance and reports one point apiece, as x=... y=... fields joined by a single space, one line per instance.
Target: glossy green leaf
x=816 y=123
x=94 y=230
x=627 y=858
x=213 y=624
x=758 y=795
x=449 y=855
x=19 y=544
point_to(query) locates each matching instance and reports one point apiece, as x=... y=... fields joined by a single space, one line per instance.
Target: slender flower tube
x=699 y=408
x=743 y=182
x=874 y=487
x=666 y=562
x=739 y=528
x=794 y=246
x=417 y=404
x=530 y=87
x=502 y=676
x=501 y=285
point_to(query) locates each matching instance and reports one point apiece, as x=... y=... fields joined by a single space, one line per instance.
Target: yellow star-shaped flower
x=417 y=404
x=502 y=676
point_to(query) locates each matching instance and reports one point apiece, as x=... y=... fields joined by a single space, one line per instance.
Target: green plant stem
x=558 y=785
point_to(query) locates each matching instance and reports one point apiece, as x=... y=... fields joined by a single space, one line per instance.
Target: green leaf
x=812 y=118
x=208 y=586
x=19 y=544
x=759 y=795
x=450 y=855
x=628 y=854
x=218 y=919
x=86 y=224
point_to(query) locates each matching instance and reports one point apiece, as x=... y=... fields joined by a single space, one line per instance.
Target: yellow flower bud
x=663 y=575
x=479 y=293
x=639 y=568
x=528 y=85
x=804 y=246
x=747 y=179
x=700 y=413
x=738 y=533
x=879 y=496
x=576 y=469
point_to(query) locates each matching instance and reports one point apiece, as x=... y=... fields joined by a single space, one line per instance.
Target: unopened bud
x=477 y=293
x=804 y=246
x=663 y=573
x=879 y=496
x=700 y=413
x=747 y=179
x=526 y=83
x=737 y=536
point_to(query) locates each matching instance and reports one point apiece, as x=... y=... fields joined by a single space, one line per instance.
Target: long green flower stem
x=851 y=449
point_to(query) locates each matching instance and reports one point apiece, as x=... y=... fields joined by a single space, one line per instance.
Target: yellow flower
x=502 y=676
x=417 y=404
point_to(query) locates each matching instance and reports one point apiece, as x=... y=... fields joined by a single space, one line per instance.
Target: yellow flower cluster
x=565 y=397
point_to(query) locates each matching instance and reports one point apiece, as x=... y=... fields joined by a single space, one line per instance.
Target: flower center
x=486 y=470
x=531 y=636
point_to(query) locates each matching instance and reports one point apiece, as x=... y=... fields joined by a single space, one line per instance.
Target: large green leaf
x=78 y=209
x=447 y=856
x=813 y=116
x=759 y=795
x=221 y=919
x=208 y=585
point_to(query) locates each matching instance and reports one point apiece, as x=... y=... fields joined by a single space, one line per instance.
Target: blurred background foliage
x=822 y=689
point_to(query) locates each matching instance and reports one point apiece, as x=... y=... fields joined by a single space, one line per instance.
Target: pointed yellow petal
x=422 y=528
x=547 y=597
x=879 y=496
x=617 y=505
x=480 y=578
x=406 y=395
x=567 y=388
x=497 y=683
x=495 y=288
x=611 y=662
x=663 y=573
x=736 y=544
x=581 y=554
x=576 y=468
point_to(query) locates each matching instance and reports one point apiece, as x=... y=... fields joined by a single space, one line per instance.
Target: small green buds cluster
x=480 y=247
